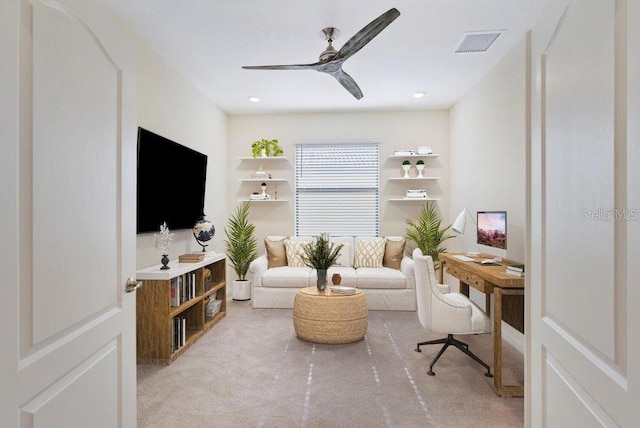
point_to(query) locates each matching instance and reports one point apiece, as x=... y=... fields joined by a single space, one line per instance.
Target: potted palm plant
x=427 y=232
x=321 y=254
x=241 y=249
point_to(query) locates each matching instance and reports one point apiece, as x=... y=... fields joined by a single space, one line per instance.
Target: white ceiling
x=208 y=41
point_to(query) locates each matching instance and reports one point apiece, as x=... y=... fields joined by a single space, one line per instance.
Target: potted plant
x=406 y=166
x=241 y=249
x=265 y=148
x=427 y=232
x=420 y=167
x=321 y=254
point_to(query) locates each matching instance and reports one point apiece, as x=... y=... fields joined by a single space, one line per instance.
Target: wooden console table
x=508 y=303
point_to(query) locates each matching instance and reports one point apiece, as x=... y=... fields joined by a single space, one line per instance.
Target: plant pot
x=241 y=289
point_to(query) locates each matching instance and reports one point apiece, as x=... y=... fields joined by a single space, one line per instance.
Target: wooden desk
x=508 y=303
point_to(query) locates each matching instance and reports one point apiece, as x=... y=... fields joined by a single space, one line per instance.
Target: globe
x=203 y=231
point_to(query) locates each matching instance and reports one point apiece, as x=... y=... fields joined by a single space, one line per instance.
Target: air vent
x=477 y=42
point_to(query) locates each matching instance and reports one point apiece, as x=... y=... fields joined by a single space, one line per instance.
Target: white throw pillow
x=295 y=250
x=369 y=253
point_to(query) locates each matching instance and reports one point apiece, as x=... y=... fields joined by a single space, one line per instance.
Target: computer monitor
x=492 y=229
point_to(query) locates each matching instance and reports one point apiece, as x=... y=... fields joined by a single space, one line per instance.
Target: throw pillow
x=369 y=253
x=393 y=252
x=295 y=250
x=276 y=252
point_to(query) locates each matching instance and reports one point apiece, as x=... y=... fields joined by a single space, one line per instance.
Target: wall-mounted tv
x=171 y=183
x=492 y=229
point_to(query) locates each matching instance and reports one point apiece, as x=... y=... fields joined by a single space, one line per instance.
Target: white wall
x=487 y=151
x=487 y=158
x=394 y=130
x=170 y=106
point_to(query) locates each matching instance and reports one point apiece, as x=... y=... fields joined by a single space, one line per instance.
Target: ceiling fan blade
x=348 y=83
x=282 y=67
x=364 y=36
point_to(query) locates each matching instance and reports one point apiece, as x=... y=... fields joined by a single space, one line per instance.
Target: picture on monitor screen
x=492 y=229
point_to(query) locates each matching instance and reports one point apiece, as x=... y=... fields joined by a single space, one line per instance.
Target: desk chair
x=446 y=312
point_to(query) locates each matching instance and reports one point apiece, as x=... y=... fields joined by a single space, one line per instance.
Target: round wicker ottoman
x=334 y=319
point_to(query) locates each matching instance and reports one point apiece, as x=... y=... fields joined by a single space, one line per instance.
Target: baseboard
x=513 y=337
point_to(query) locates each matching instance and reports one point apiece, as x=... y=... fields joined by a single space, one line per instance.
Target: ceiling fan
x=331 y=61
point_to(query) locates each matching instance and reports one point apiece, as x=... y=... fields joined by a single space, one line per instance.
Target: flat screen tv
x=171 y=183
x=492 y=229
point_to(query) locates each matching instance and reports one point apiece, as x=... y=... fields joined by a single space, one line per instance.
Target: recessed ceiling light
x=419 y=94
x=254 y=99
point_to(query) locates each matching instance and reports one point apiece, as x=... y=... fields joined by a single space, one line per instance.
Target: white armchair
x=446 y=312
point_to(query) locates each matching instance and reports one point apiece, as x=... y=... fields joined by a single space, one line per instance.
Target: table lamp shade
x=461 y=222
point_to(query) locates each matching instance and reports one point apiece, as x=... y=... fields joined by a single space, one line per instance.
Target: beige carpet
x=252 y=371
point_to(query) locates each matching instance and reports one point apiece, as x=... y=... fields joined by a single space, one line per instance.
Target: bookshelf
x=413 y=180
x=160 y=339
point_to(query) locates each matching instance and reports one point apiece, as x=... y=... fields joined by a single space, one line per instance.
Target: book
x=175 y=292
x=516 y=268
x=341 y=289
x=190 y=258
x=514 y=273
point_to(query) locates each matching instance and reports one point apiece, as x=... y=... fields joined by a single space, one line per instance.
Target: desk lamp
x=461 y=223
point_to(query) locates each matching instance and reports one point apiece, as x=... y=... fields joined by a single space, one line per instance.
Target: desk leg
x=441 y=271
x=499 y=388
x=497 y=340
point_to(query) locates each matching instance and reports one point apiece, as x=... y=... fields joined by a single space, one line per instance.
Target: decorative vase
x=165 y=262
x=263 y=153
x=322 y=280
x=336 y=279
x=406 y=170
x=420 y=167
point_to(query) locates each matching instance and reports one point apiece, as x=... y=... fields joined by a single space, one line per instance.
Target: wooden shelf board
x=210 y=322
x=214 y=289
x=176 y=310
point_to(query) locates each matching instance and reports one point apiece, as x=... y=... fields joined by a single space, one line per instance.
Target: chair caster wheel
x=430 y=373
x=488 y=375
x=418 y=350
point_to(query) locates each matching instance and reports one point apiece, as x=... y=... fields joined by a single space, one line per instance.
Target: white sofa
x=386 y=288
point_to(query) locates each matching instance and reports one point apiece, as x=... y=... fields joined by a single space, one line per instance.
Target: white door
x=67 y=228
x=584 y=216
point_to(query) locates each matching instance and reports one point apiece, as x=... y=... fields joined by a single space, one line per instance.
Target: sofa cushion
x=347 y=275
x=369 y=252
x=295 y=250
x=393 y=252
x=345 y=258
x=288 y=277
x=276 y=252
x=380 y=278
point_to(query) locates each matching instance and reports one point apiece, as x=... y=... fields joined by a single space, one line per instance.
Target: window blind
x=337 y=189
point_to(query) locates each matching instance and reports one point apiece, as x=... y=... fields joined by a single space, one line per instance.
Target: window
x=337 y=189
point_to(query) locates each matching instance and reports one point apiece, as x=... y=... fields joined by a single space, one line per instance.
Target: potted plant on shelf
x=406 y=166
x=321 y=254
x=427 y=232
x=420 y=167
x=265 y=148
x=241 y=249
